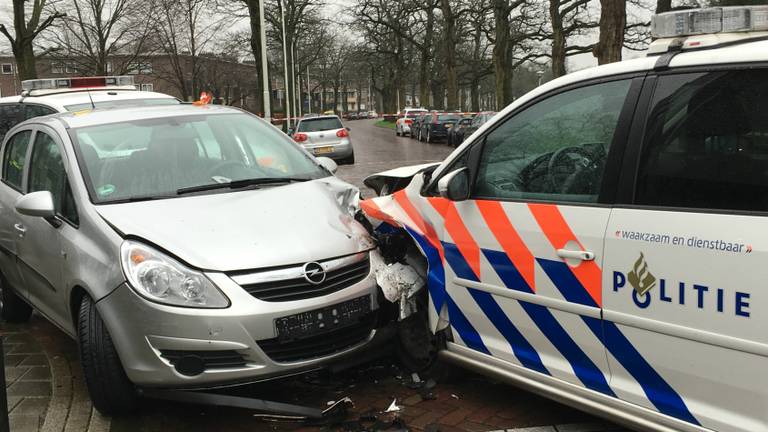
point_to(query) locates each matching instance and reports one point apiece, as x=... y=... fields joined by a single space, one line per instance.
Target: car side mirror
x=38 y=204
x=328 y=164
x=455 y=185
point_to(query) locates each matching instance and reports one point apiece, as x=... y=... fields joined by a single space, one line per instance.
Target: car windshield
x=121 y=103
x=319 y=124
x=158 y=158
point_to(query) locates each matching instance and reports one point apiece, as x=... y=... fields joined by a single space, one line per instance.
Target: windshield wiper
x=237 y=184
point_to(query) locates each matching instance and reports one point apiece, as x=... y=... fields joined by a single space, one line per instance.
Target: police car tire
x=416 y=346
x=12 y=308
x=112 y=393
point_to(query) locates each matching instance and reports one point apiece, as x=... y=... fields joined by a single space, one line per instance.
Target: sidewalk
x=44 y=382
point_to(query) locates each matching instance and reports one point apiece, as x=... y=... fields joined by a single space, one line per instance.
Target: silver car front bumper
x=145 y=332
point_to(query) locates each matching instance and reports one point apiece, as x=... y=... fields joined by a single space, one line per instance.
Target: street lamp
x=264 y=69
x=285 y=70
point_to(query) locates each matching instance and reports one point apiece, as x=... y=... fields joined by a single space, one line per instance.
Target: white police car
x=604 y=240
x=41 y=97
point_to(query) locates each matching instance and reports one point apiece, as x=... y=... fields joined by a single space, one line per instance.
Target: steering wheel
x=214 y=171
x=575 y=159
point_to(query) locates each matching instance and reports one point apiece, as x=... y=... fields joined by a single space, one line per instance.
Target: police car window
x=554 y=150
x=9 y=117
x=15 y=158
x=706 y=143
x=46 y=173
x=32 y=111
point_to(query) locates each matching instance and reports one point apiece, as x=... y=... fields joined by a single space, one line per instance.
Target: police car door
x=525 y=253
x=685 y=304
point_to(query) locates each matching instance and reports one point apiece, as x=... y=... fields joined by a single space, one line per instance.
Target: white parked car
x=403 y=124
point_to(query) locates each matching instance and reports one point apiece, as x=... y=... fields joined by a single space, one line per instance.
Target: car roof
x=60 y=101
x=118 y=115
x=320 y=117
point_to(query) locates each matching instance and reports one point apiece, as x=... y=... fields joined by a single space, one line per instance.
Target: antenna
x=93 y=105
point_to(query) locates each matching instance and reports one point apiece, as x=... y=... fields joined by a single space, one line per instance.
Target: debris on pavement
x=393 y=407
x=399 y=282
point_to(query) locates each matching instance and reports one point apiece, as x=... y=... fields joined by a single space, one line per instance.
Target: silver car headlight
x=162 y=279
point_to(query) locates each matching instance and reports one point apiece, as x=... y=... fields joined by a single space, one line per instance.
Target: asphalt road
x=460 y=400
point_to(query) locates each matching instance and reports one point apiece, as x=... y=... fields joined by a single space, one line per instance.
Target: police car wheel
x=417 y=347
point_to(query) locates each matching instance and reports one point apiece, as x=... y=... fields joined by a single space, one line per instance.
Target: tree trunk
x=25 y=62
x=613 y=20
x=452 y=85
x=501 y=62
x=558 y=39
x=663 y=6
x=426 y=56
x=474 y=95
x=254 y=18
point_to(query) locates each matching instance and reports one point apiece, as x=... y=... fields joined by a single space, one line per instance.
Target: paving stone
x=14 y=372
x=456 y=417
x=31 y=406
x=534 y=429
x=425 y=419
x=24 y=423
x=30 y=388
x=38 y=373
x=14 y=359
x=13 y=401
x=99 y=423
x=56 y=417
x=25 y=348
x=35 y=360
x=412 y=400
x=585 y=427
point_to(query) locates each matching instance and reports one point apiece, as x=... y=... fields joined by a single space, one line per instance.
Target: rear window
x=321 y=124
x=413 y=114
x=122 y=103
x=445 y=117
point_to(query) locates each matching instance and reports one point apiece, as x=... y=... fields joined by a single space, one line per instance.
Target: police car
x=41 y=97
x=603 y=241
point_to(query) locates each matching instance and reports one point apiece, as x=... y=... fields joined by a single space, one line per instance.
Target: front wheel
x=112 y=393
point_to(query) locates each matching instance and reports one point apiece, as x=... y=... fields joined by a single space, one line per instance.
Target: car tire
x=12 y=308
x=397 y=131
x=112 y=393
x=416 y=346
x=349 y=160
x=429 y=137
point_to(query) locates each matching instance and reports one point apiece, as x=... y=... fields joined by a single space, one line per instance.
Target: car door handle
x=20 y=228
x=576 y=254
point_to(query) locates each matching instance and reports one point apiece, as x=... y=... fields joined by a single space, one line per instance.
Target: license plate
x=323 y=320
x=323 y=150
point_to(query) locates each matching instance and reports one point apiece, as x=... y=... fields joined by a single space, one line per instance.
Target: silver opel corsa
x=183 y=247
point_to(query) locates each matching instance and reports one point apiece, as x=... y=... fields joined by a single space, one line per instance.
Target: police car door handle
x=576 y=254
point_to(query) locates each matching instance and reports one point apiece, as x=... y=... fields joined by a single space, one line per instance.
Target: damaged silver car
x=183 y=247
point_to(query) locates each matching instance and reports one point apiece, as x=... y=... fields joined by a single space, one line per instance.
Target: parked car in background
x=48 y=96
x=403 y=125
x=478 y=120
x=416 y=124
x=353 y=115
x=373 y=114
x=456 y=133
x=182 y=247
x=325 y=136
x=362 y=115
x=435 y=125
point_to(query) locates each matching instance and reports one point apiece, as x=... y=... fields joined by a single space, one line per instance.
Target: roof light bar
x=710 y=21
x=77 y=82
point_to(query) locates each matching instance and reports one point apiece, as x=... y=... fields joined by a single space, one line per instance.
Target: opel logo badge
x=314 y=273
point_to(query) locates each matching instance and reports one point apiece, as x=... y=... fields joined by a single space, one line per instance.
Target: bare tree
x=185 y=29
x=26 y=31
x=568 y=18
x=613 y=22
x=95 y=33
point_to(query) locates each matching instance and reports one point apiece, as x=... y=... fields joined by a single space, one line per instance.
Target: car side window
x=47 y=173
x=15 y=159
x=556 y=149
x=10 y=116
x=706 y=142
x=32 y=111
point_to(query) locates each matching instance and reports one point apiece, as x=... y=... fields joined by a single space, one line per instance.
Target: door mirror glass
x=455 y=185
x=38 y=204
x=328 y=164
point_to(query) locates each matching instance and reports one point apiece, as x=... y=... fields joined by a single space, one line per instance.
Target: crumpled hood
x=273 y=226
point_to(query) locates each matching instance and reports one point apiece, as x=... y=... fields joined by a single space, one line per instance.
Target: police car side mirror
x=455 y=185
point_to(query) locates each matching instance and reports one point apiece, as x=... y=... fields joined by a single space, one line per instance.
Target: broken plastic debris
x=454 y=396
x=415 y=378
x=393 y=407
x=399 y=283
